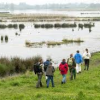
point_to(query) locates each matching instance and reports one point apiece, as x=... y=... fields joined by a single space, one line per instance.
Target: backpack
x=45 y=67
x=70 y=61
x=37 y=68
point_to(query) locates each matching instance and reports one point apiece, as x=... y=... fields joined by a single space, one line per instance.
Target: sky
x=40 y=2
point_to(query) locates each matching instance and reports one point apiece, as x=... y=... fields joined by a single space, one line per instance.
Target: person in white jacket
x=86 y=56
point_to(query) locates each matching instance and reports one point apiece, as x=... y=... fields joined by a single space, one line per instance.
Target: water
x=16 y=44
x=61 y=12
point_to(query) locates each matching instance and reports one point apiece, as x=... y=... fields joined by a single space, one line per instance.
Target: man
x=72 y=67
x=39 y=73
x=86 y=56
x=46 y=64
x=78 y=60
x=49 y=73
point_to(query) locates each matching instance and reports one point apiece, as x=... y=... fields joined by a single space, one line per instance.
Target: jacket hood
x=63 y=63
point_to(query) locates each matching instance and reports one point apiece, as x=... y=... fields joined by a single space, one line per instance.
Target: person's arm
x=84 y=55
x=59 y=66
x=42 y=66
x=53 y=69
x=67 y=60
x=90 y=55
x=74 y=56
x=81 y=58
x=66 y=67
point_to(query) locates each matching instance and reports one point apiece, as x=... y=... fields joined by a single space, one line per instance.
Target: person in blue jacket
x=78 y=59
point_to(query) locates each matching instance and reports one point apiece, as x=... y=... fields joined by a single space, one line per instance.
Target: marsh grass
x=53 y=43
x=85 y=87
x=6 y=38
x=72 y=40
x=16 y=65
x=1 y=38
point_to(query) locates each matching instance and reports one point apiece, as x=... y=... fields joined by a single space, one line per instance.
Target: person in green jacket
x=72 y=67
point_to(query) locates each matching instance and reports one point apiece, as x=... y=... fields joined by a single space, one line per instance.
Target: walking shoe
x=47 y=86
x=61 y=82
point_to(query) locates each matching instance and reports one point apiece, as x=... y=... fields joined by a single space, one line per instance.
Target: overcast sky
x=33 y=2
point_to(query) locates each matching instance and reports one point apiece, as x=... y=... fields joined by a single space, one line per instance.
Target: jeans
x=39 y=83
x=64 y=78
x=48 y=81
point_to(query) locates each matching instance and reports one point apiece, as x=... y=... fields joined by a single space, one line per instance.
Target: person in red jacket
x=63 y=67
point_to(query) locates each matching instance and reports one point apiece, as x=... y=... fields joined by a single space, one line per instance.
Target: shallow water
x=62 y=12
x=16 y=44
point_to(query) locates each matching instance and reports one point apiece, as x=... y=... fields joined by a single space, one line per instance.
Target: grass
x=85 y=87
x=53 y=43
x=72 y=40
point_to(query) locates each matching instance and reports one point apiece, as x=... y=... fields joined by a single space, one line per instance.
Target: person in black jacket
x=40 y=73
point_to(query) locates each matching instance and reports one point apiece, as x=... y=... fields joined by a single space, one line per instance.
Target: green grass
x=85 y=87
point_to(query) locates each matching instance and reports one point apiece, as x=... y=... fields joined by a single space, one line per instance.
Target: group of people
x=73 y=64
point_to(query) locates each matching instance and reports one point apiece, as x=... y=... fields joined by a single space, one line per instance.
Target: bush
x=37 y=26
x=57 y=25
x=3 y=69
x=17 y=65
x=21 y=26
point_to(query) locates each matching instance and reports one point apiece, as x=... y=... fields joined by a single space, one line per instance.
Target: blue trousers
x=48 y=81
x=64 y=78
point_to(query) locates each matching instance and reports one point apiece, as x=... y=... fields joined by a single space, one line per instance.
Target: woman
x=86 y=56
x=63 y=67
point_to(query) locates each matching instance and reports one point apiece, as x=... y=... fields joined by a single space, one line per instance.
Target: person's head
x=77 y=51
x=48 y=59
x=71 y=55
x=50 y=64
x=86 y=50
x=40 y=60
x=63 y=60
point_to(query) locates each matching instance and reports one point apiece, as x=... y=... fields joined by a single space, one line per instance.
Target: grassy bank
x=85 y=87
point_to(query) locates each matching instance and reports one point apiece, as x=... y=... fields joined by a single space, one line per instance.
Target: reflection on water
x=4 y=39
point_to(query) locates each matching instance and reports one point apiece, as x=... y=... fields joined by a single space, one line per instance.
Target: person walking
x=46 y=64
x=72 y=67
x=49 y=73
x=78 y=60
x=63 y=67
x=86 y=57
x=39 y=73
